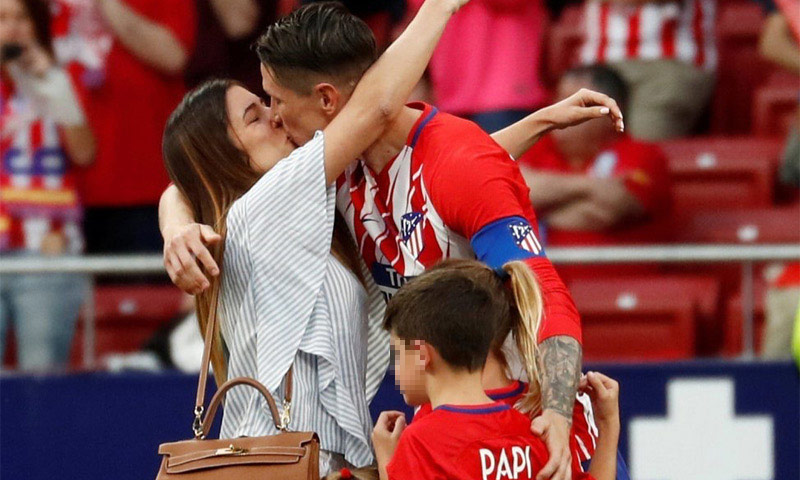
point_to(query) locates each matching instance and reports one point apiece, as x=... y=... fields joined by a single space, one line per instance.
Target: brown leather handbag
x=287 y=455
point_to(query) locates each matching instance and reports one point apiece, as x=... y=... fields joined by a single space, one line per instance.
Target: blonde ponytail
x=527 y=312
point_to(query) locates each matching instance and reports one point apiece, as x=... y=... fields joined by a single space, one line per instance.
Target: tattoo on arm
x=561 y=358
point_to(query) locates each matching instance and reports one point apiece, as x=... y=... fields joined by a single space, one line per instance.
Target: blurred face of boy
x=410 y=360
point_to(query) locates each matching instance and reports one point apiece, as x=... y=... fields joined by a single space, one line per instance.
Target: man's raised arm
x=582 y=106
x=185 y=243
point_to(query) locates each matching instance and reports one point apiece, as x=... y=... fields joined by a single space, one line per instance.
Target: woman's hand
x=386 y=435
x=582 y=106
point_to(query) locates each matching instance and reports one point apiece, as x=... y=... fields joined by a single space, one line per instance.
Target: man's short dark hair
x=605 y=80
x=455 y=310
x=320 y=38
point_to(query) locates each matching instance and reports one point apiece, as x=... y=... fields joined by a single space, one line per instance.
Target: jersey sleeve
x=479 y=193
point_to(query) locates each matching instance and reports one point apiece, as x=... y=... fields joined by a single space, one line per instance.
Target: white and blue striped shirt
x=286 y=300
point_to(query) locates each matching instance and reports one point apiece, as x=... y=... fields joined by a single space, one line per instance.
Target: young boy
x=467 y=435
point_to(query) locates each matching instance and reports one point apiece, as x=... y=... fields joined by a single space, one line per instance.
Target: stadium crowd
x=87 y=86
x=96 y=124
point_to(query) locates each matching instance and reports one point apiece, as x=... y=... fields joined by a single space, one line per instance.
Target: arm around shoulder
x=185 y=243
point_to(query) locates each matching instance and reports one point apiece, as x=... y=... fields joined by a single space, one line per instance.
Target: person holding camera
x=43 y=133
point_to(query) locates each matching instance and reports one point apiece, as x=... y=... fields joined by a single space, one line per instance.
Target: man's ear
x=329 y=98
x=425 y=353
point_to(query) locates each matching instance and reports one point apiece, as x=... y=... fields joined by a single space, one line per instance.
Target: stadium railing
x=746 y=255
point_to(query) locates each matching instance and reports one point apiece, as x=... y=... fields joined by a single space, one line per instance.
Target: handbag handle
x=201 y=426
x=220 y=395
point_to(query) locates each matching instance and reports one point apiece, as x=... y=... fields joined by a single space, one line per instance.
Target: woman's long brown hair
x=212 y=173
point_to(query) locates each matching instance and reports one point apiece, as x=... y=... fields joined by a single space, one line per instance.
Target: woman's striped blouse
x=286 y=300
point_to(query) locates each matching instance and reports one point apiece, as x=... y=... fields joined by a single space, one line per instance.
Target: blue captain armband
x=505 y=240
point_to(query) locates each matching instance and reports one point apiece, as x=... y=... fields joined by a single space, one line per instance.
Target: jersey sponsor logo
x=524 y=237
x=388 y=279
x=411 y=232
x=504 y=465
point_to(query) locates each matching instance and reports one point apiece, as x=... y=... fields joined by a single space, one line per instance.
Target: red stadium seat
x=753 y=226
x=775 y=106
x=648 y=318
x=127 y=316
x=740 y=67
x=764 y=225
x=721 y=172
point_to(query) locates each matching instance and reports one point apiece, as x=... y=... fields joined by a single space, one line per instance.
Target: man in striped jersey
x=665 y=50
x=433 y=187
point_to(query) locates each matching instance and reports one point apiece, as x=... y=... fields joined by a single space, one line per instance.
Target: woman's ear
x=329 y=98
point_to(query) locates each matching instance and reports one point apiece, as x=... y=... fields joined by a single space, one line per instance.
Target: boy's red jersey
x=583 y=436
x=477 y=442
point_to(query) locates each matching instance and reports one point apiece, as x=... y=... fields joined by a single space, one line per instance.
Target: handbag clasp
x=286 y=416
x=230 y=450
x=197 y=425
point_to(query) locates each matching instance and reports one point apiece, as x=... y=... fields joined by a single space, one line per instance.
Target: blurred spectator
x=486 y=66
x=665 y=50
x=779 y=44
x=131 y=93
x=225 y=31
x=556 y=7
x=44 y=130
x=592 y=185
x=380 y=15
x=781 y=304
x=781 y=32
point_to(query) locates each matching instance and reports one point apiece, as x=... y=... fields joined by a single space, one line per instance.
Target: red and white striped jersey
x=38 y=193
x=681 y=30
x=451 y=192
x=392 y=217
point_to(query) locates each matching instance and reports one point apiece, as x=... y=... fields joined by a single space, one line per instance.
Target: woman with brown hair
x=286 y=297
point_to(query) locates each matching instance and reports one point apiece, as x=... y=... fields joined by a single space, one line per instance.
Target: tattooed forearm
x=561 y=370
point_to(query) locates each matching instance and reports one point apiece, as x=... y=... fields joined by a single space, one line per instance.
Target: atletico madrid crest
x=524 y=237
x=411 y=232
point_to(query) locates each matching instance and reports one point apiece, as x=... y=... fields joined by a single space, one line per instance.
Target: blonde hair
x=528 y=308
x=470 y=297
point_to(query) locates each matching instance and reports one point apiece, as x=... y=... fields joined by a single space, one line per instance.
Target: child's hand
x=386 y=434
x=604 y=392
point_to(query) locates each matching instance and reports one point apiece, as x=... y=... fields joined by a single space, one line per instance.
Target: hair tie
x=500 y=272
x=345 y=473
